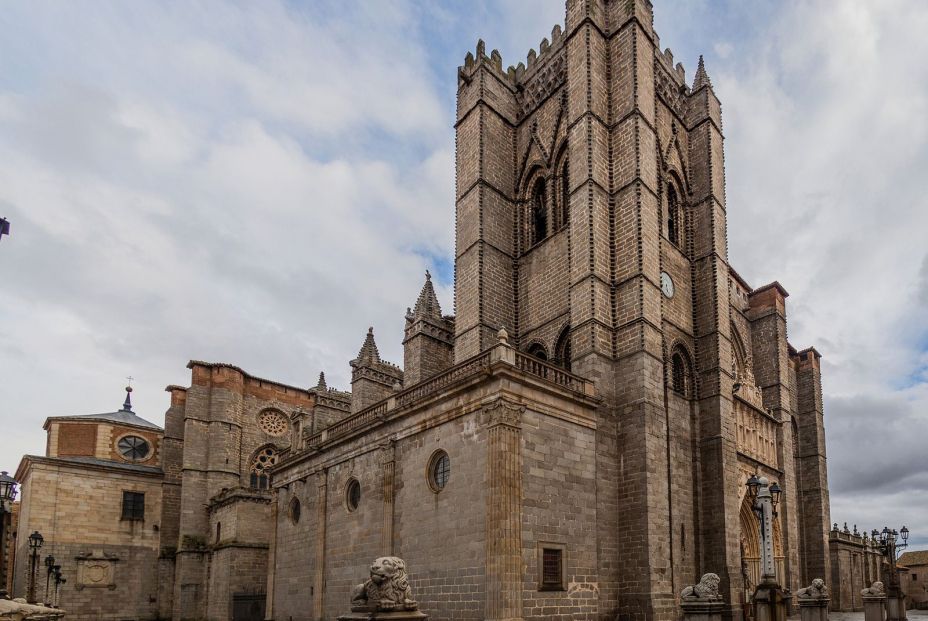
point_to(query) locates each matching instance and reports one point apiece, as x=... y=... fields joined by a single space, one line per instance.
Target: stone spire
x=702 y=78
x=369 y=354
x=372 y=379
x=427 y=306
x=321 y=385
x=127 y=404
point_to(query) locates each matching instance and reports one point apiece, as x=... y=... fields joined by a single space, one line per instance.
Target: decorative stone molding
x=96 y=570
x=503 y=412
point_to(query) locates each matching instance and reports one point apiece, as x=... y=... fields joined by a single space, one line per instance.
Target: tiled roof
x=915 y=557
x=122 y=416
x=93 y=461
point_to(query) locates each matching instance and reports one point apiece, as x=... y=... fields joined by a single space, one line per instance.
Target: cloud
x=258 y=184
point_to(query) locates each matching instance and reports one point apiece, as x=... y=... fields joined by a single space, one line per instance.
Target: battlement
x=514 y=75
x=677 y=72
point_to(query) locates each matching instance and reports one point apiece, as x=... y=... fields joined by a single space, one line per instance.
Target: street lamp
x=889 y=546
x=56 y=570
x=35 y=544
x=768 y=597
x=49 y=565
x=7 y=496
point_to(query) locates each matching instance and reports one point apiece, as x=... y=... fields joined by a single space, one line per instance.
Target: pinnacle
x=702 y=78
x=427 y=306
x=127 y=404
x=321 y=383
x=368 y=353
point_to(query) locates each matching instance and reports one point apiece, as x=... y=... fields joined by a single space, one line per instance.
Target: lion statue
x=817 y=590
x=874 y=590
x=386 y=590
x=707 y=589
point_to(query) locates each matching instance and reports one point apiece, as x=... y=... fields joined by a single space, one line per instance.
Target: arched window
x=293 y=510
x=537 y=350
x=263 y=461
x=673 y=215
x=539 y=212
x=564 y=218
x=562 y=349
x=681 y=377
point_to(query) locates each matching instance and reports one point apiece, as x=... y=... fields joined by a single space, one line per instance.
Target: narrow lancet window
x=673 y=216
x=539 y=213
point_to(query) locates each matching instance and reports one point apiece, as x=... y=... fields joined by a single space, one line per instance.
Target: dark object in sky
x=4 y=227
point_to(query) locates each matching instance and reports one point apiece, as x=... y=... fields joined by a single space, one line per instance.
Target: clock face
x=667 y=284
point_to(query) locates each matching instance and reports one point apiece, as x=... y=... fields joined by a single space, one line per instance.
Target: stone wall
x=224 y=429
x=109 y=563
x=444 y=536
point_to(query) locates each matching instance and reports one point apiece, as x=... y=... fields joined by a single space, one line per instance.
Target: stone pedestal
x=697 y=610
x=769 y=604
x=873 y=607
x=895 y=608
x=814 y=609
x=400 y=615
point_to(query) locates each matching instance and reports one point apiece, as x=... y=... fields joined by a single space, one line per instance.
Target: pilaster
x=389 y=490
x=319 y=578
x=816 y=515
x=504 y=511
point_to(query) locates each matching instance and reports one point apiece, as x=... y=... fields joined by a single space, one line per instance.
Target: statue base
x=895 y=608
x=873 y=608
x=814 y=609
x=696 y=610
x=769 y=604
x=396 y=615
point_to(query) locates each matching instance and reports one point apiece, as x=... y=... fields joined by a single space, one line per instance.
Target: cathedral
x=574 y=441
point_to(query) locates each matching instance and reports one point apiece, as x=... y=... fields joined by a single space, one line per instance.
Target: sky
x=257 y=183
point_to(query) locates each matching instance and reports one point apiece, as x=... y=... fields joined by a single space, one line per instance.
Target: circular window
x=273 y=423
x=439 y=470
x=353 y=494
x=294 y=510
x=133 y=448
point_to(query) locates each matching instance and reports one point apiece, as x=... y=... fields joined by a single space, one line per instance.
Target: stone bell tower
x=591 y=224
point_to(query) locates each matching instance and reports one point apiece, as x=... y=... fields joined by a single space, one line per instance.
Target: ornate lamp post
x=768 y=597
x=35 y=544
x=7 y=496
x=49 y=565
x=888 y=543
x=56 y=572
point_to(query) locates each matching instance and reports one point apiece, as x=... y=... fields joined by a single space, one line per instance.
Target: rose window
x=273 y=423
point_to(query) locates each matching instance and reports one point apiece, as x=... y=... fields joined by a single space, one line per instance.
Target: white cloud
x=259 y=183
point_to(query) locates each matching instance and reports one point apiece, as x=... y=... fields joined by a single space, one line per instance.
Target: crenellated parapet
x=534 y=80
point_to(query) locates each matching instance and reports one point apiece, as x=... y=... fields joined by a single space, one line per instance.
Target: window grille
x=678 y=373
x=440 y=471
x=552 y=569
x=133 y=448
x=133 y=506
